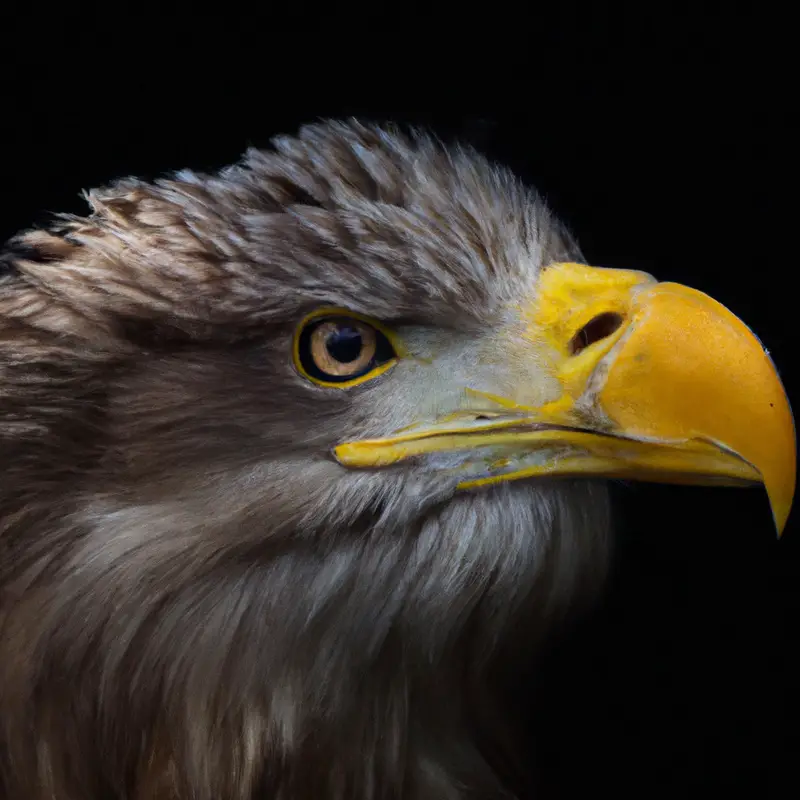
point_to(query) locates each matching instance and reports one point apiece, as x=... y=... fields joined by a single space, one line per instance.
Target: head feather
x=195 y=596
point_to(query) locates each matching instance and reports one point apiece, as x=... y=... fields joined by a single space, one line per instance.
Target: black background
x=664 y=142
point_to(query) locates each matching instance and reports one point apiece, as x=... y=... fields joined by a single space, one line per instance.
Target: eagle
x=303 y=458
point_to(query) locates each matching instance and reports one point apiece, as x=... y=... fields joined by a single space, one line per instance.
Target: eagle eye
x=341 y=349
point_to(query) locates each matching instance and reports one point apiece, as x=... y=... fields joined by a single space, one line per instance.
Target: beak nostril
x=599 y=327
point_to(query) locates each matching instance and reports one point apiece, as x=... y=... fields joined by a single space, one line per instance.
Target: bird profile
x=302 y=458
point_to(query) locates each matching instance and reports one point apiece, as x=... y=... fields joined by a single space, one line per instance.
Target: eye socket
x=341 y=350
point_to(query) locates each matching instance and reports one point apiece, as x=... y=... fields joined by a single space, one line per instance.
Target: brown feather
x=196 y=601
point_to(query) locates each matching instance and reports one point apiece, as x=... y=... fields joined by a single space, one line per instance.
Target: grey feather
x=197 y=601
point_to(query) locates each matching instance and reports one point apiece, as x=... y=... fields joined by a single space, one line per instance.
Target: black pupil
x=345 y=344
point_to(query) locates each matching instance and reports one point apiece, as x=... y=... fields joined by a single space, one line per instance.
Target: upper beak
x=657 y=382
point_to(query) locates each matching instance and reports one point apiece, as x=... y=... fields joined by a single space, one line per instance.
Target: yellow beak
x=658 y=382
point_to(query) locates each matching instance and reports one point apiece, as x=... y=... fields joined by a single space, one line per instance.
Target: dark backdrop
x=664 y=142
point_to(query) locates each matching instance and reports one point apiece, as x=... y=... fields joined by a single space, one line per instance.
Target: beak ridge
x=688 y=369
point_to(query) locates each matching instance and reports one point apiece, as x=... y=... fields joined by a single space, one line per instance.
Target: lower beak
x=659 y=383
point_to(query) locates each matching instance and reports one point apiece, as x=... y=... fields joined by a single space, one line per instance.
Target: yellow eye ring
x=337 y=348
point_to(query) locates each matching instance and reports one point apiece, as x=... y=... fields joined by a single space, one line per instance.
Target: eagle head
x=303 y=457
